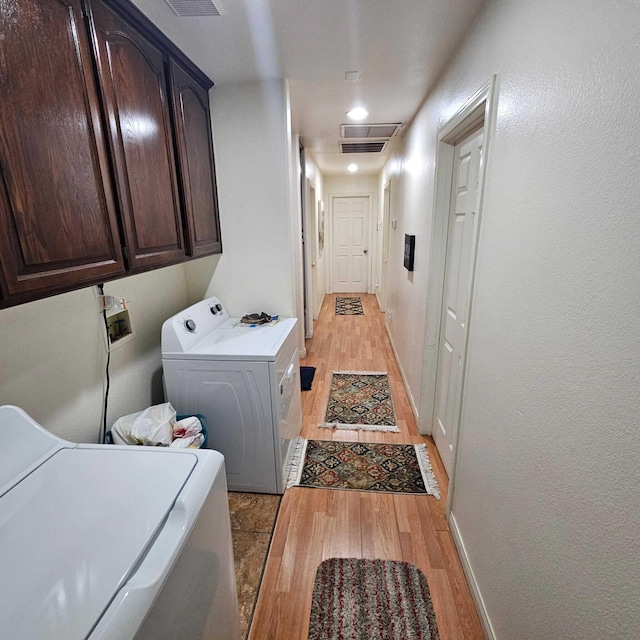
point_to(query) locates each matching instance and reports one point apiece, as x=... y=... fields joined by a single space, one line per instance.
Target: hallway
x=316 y=524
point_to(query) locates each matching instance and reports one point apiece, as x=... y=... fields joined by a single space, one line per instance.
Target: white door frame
x=328 y=237
x=479 y=109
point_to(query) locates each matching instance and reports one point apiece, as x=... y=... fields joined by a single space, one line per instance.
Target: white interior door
x=311 y=242
x=350 y=245
x=461 y=242
x=383 y=298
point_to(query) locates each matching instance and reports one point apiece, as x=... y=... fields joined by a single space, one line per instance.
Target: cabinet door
x=132 y=76
x=197 y=169
x=58 y=226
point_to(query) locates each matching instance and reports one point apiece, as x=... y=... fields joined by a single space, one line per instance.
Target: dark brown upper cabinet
x=58 y=225
x=132 y=73
x=195 y=160
x=106 y=155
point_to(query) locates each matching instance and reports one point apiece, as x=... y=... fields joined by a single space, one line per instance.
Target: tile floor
x=253 y=517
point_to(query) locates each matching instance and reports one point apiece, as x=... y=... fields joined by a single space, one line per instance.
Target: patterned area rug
x=360 y=400
x=349 y=307
x=371 y=600
x=364 y=466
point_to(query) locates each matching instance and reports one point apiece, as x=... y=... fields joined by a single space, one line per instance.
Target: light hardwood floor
x=316 y=524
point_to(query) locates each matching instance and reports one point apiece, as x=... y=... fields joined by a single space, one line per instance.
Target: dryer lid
x=73 y=531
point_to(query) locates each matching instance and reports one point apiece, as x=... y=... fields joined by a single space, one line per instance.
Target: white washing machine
x=102 y=542
x=245 y=380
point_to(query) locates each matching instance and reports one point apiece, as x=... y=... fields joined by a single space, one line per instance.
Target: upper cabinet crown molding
x=137 y=19
x=105 y=148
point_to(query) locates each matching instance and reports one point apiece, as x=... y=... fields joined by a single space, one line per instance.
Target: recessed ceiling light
x=359 y=113
x=352 y=167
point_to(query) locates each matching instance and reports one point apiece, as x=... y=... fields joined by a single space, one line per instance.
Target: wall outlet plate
x=120 y=330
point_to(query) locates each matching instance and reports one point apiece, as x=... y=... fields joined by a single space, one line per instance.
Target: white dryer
x=100 y=542
x=245 y=380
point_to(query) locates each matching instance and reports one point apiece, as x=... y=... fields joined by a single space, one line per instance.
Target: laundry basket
x=203 y=421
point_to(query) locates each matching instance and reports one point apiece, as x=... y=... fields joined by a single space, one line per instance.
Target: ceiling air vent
x=369 y=130
x=187 y=8
x=363 y=147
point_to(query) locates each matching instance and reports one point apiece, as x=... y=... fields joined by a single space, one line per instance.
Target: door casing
x=479 y=110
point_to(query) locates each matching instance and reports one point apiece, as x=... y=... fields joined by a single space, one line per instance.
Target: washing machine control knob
x=219 y=307
x=190 y=326
x=213 y=310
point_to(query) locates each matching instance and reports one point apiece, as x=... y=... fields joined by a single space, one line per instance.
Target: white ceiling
x=399 y=47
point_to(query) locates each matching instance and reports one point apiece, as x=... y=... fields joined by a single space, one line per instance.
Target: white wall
x=252 y=147
x=547 y=483
x=352 y=185
x=53 y=354
x=411 y=197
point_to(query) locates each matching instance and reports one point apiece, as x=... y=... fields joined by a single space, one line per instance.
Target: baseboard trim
x=471 y=580
x=414 y=409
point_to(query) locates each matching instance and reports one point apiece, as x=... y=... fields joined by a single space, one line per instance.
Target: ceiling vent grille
x=188 y=8
x=363 y=147
x=348 y=131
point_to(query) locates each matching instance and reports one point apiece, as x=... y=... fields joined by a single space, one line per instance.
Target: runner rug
x=360 y=400
x=363 y=466
x=349 y=307
x=371 y=600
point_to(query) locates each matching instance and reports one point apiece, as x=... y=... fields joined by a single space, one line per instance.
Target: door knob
x=313 y=264
x=365 y=252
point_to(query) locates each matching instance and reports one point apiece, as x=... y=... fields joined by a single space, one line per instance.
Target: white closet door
x=461 y=242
